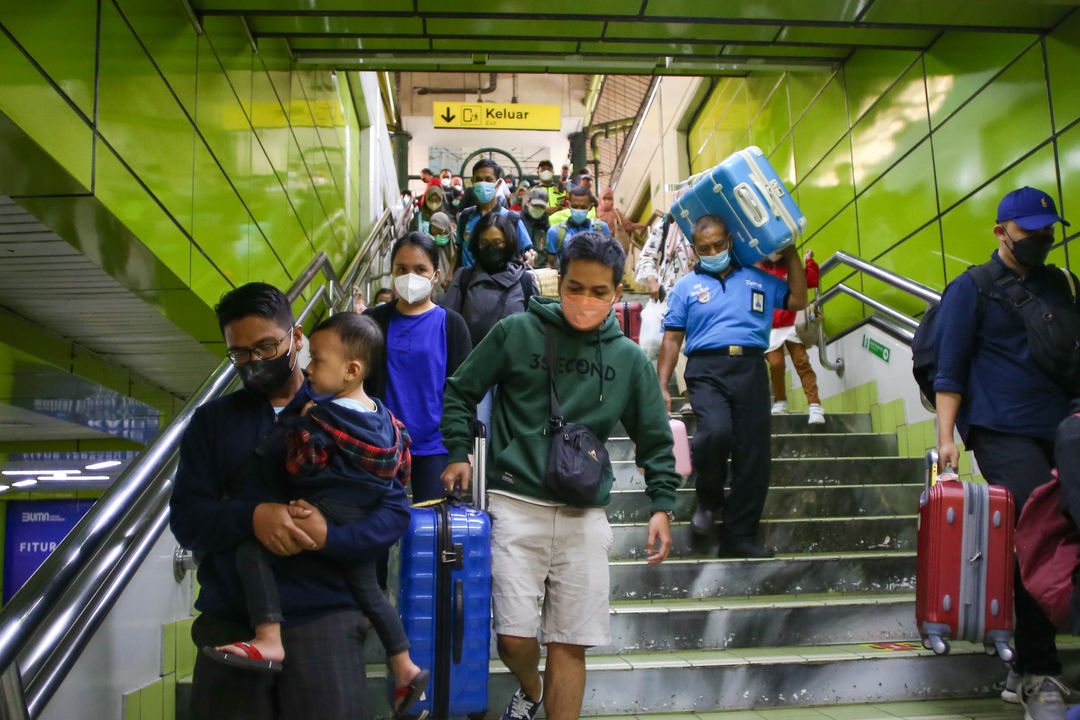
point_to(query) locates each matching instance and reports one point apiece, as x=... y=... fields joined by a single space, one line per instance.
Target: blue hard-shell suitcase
x=747 y=192
x=444 y=598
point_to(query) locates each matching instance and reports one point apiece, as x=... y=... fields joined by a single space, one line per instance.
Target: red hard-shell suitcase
x=628 y=314
x=964 y=585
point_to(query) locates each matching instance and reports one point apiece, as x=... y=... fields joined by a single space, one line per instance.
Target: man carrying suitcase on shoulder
x=545 y=550
x=725 y=312
x=991 y=386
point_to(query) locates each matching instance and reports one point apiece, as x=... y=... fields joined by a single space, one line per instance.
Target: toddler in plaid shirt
x=340 y=457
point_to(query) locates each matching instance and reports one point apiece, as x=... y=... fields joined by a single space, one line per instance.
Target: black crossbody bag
x=576 y=458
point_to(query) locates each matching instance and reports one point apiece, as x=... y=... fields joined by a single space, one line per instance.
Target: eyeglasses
x=263 y=351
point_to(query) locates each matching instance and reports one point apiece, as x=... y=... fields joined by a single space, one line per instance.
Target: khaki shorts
x=556 y=556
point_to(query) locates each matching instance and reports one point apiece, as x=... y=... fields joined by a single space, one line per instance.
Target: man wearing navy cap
x=1006 y=407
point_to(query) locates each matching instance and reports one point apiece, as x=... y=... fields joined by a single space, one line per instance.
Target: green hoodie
x=602 y=377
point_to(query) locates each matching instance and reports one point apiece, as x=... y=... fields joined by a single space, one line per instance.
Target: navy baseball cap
x=1029 y=208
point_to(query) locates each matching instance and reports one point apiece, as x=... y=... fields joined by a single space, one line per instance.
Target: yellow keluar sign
x=497 y=116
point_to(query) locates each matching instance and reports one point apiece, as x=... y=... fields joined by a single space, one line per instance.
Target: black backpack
x=1053 y=332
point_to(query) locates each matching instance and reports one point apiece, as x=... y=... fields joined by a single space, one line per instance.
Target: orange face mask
x=585 y=313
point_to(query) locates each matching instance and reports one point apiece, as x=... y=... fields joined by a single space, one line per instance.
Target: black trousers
x=1021 y=464
x=255 y=565
x=730 y=397
x=323 y=676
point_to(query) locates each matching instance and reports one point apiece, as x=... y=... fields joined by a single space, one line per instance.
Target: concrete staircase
x=829 y=621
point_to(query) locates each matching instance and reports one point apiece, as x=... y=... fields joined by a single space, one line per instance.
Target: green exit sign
x=875 y=348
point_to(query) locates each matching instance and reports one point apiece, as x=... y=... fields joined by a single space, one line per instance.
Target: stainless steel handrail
x=48 y=622
x=893 y=317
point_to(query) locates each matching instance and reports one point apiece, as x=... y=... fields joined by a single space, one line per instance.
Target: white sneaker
x=817 y=415
x=779 y=408
x=1012 y=686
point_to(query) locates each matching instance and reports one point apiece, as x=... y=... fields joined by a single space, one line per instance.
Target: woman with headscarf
x=621 y=227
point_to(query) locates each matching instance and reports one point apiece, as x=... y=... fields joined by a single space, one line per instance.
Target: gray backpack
x=485 y=303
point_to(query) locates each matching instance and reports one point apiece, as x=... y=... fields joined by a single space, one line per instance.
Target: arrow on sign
x=447 y=116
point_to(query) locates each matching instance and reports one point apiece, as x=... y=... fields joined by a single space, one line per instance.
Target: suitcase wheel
x=1002 y=650
x=938 y=644
x=926 y=643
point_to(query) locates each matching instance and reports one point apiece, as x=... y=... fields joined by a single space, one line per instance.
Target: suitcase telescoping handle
x=934 y=472
x=479 y=480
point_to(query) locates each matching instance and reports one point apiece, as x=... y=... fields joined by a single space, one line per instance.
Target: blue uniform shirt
x=571 y=231
x=466 y=223
x=735 y=311
x=416 y=376
x=982 y=354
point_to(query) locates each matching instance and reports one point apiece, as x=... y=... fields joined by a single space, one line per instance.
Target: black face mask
x=492 y=259
x=266 y=376
x=1031 y=251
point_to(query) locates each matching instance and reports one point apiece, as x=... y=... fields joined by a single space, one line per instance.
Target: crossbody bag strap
x=550 y=351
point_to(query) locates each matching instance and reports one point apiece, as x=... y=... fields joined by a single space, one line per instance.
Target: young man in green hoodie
x=544 y=551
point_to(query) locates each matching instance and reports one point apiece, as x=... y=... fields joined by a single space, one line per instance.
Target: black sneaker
x=523 y=707
x=703 y=524
x=734 y=548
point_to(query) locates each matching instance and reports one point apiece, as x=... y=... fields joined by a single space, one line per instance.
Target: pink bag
x=1047 y=543
x=682 y=447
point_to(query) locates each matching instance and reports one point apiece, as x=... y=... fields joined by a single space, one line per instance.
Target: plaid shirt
x=308 y=452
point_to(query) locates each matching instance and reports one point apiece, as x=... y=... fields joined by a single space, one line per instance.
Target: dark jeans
x=255 y=565
x=730 y=397
x=323 y=678
x=426 y=477
x=1021 y=464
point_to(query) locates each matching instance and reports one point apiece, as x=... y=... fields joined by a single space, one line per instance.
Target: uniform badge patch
x=703 y=295
x=757 y=301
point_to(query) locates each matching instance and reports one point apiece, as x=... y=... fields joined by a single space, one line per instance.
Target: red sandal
x=254 y=660
x=407 y=696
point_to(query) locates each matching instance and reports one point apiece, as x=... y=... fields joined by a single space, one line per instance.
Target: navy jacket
x=982 y=353
x=340 y=478
x=215 y=496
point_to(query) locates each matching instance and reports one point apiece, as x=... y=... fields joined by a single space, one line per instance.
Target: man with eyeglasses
x=225 y=494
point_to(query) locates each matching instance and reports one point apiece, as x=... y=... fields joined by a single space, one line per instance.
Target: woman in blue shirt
x=425 y=343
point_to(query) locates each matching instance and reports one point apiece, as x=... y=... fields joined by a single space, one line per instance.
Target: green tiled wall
x=913 y=440
x=227 y=163
x=157 y=701
x=900 y=156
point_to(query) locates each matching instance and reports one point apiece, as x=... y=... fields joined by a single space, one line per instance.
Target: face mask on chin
x=1031 y=251
x=585 y=313
x=535 y=212
x=267 y=376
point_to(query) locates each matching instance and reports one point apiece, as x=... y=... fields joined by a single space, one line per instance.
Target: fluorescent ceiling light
x=41 y=472
x=24 y=483
x=4 y=488
x=54 y=478
x=104 y=464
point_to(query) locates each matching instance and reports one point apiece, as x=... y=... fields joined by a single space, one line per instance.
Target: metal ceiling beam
x=651 y=19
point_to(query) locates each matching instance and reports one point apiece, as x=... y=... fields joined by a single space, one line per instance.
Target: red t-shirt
x=786 y=318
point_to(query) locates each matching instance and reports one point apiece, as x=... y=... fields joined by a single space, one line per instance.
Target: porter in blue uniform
x=724 y=312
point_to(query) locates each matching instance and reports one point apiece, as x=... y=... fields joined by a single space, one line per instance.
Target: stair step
x=792 y=423
x=785 y=574
x=796 y=445
x=810 y=471
x=704 y=682
x=786 y=535
x=965 y=709
x=837 y=500
x=740 y=622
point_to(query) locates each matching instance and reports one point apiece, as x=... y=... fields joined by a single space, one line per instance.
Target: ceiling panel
x=688 y=31
x=293 y=6
x=605 y=8
x=325 y=25
x=533 y=47
x=482 y=28
x=775 y=10
x=999 y=13
x=854 y=37
x=360 y=44
x=604 y=47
